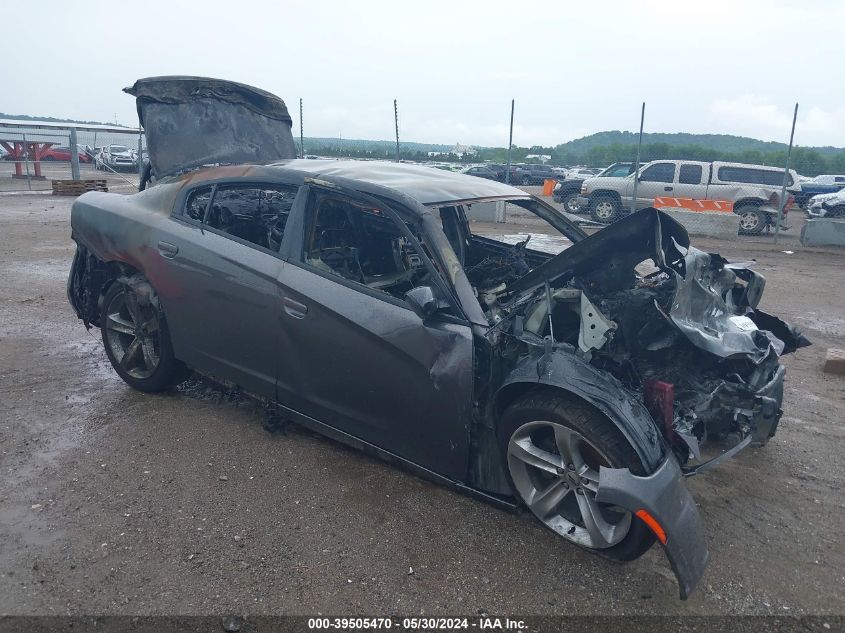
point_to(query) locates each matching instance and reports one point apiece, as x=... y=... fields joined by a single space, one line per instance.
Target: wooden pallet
x=78 y=187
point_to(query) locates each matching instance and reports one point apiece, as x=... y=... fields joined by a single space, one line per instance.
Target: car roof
x=426 y=185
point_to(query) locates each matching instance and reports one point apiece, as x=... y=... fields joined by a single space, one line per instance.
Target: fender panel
x=569 y=372
x=665 y=497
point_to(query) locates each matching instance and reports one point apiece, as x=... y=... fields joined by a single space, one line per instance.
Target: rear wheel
x=136 y=337
x=555 y=447
x=605 y=209
x=526 y=180
x=752 y=221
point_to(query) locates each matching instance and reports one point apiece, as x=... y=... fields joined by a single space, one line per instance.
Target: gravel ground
x=116 y=502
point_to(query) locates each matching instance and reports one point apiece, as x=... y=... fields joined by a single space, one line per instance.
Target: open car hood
x=714 y=302
x=614 y=250
x=194 y=121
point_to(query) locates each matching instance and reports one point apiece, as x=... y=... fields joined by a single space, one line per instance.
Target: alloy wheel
x=556 y=472
x=749 y=220
x=133 y=334
x=605 y=210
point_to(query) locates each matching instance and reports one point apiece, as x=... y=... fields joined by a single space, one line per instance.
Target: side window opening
x=490 y=256
x=364 y=245
x=257 y=214
x=661 y=172
x=197 y=203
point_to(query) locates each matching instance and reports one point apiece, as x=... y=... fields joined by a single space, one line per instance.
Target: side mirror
x=422 y=301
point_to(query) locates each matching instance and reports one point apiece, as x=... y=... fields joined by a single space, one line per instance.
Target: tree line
x=806 y=161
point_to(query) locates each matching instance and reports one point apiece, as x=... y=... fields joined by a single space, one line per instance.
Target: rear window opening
x=754 y=176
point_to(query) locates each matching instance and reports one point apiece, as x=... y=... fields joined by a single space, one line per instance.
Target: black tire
x=605 y=209
x=752 y=221
x=526 y=180
x=168 y=371
x=550 y=406
x=835 y=212
x=570 y=203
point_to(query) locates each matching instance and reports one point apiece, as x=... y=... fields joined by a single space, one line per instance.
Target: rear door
x=366 y=363
x=217 y=273
x=692 y=180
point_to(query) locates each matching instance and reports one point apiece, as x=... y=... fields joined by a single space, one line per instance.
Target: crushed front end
x=677 y=326
x=666 y=340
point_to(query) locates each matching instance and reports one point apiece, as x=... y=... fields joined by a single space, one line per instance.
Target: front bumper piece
x=664 y=496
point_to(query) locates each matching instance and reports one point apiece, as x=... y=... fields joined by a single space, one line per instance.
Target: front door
x=657 y=180
x=367 y=364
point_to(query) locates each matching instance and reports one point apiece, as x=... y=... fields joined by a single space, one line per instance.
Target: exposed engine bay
x=678 y=327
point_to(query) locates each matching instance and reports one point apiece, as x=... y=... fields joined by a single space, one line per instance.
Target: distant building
x=461 y=151
x=464 y=150
x=543 y=157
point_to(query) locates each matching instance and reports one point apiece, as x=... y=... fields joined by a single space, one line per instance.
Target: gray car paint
x=370 y=369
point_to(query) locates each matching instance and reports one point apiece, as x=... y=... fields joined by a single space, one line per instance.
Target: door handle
x=667 y=188
x=294 y=308
x=167 y=249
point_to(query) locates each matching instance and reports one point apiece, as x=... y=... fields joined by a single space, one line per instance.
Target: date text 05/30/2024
x=484 y=623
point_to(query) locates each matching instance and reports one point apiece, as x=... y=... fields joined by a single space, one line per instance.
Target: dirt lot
x=116 y=502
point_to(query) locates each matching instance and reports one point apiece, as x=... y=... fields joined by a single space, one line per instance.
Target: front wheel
x=570 y=203
x=752 y=221
x=136 y=337
x=555 y=447
x=526 y=180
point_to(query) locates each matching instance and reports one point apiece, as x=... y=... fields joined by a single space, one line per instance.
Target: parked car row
x=825 y=183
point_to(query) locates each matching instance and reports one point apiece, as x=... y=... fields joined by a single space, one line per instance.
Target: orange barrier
x=549 y=186
x=694 y=205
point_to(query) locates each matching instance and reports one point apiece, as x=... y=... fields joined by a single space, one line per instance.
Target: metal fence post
x=785 y=175
x=26 y=162
x=396 y=119
x=140 y=156
x=510 y=145
x=74 y=155
x=637 y=164
x=301 y=132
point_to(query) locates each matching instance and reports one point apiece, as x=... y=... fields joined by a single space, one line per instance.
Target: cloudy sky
x=721 y=66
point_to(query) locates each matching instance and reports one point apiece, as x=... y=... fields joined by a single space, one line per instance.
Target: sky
x=573 y=68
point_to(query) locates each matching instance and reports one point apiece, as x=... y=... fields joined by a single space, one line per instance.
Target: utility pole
x=396 y=120
x=510 y=145
x=637 y=164
x=301 y=136
x=785 y=175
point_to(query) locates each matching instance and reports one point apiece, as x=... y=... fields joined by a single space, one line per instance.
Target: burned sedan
x=355 y=296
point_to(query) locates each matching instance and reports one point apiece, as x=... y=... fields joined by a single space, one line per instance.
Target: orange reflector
x=652 y=523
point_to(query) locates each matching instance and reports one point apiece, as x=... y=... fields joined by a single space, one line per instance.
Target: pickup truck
x=826 y=183
x=753 y=189
x=566 y=192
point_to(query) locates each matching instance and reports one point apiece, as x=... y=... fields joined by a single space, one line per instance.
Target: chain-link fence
x=735 y=193
x=34 y=158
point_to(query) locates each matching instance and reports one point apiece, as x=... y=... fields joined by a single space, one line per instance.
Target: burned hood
x=713 y=301
x=194 y=121
x=609 y=256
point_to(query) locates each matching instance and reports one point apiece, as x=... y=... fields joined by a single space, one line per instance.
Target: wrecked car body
x=359 y=299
